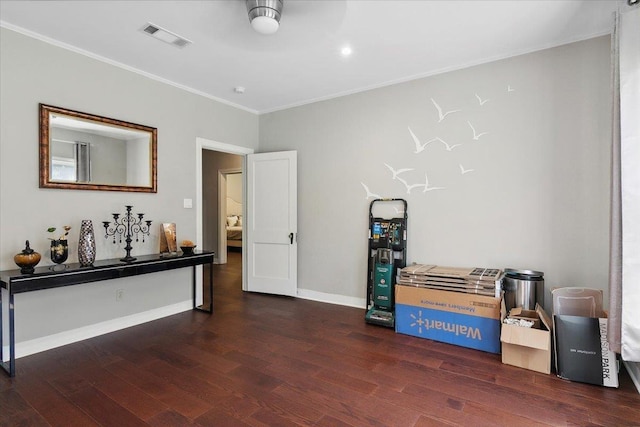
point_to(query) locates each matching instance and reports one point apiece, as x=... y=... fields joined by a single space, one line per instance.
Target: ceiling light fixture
x=264 y=15
x=346 y=51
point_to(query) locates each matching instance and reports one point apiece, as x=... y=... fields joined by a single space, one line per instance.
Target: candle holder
x=128 y=227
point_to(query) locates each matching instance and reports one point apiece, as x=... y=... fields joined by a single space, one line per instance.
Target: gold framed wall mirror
x=83 y=151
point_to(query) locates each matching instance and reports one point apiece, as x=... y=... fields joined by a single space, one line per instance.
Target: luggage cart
x=387 y=252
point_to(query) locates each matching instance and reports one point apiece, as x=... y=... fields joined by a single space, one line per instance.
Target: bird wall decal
x=408 y=186
x=476 y=136
x=447 y=146
x=370 y=195
x=398 y=171
x=463 y=170
x=442 y=115
x=419 y=145
x=426 y=185
x=482 y=101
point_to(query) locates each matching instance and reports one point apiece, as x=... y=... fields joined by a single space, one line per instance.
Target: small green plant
x=63 y=236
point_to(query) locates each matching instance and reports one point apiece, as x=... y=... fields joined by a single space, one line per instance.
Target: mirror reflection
x=82 y=151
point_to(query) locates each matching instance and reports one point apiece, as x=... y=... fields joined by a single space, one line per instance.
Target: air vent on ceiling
x=165 y=35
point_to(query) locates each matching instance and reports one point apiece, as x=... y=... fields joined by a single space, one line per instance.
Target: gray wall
x=108 y=155
x=33 y=72
x=538 y=194
x=212 y=162
x=537 y=198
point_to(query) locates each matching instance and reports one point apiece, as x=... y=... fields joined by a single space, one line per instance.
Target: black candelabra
x=128 y=226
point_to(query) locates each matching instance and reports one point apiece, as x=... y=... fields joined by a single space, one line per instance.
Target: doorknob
x=291 y=238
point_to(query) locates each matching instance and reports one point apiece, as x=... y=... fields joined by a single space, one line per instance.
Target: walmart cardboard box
x=467 y=320
x=528 y=348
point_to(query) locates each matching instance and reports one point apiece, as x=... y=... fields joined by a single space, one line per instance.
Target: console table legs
x=10 y=365
x=201 y=308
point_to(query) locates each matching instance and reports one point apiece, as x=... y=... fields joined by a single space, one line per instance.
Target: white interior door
x=271 y=231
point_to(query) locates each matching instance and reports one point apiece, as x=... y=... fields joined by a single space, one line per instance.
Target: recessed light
x=346 y=51
x=239 y=89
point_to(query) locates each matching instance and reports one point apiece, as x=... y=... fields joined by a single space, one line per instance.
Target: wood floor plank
x=263 y=360
x=50 y=404
x=347 y=381
x=495 y=397
x=596 y=409
x=218 y=417
x=266 y=418
x=174 y=397
x=169 y=419
x=207 y=358
x=127 y=395
x=255 y=378
x=99 y=407
x=238 y=406
x=13 y=407
x=329 y=421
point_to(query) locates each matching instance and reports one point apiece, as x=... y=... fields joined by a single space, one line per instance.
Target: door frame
x=222 y=211
x=207 y=144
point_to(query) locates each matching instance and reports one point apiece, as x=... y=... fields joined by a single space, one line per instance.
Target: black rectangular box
x=582 y=350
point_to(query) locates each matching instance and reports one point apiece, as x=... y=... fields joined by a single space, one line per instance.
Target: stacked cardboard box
x=480 y=281
x=459 y=306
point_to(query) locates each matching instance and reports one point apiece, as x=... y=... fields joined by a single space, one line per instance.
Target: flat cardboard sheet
x=482 y=281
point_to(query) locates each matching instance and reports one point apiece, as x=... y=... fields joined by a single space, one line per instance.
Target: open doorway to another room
x=229 y=212
x=222 y=203
x=214 y=161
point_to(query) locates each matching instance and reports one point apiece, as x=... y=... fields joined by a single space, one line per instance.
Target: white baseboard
x=331 y=298
x=633 y=368
x=48 y=342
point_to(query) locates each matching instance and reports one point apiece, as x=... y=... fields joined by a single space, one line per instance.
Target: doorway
x=230 y=204
x=211 y=157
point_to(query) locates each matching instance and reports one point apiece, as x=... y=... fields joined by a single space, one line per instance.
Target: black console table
x=74 y=274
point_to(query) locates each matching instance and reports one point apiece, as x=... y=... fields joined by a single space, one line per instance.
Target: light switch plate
x=188 y=203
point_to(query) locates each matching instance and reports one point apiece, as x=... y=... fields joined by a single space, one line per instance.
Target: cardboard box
x=528 y=348
x=477 y=280
x=463 y=319
x=582 y=350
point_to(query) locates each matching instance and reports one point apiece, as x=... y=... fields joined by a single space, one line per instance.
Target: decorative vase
x=27 y=259
x=59 y=251
x=87 y=244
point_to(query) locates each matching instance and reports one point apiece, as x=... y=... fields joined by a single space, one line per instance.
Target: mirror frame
x=45 y=179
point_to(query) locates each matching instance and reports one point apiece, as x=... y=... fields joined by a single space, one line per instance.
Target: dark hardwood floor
x=264 y=360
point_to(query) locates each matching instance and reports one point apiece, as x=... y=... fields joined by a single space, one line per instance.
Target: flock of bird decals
x=420 y=146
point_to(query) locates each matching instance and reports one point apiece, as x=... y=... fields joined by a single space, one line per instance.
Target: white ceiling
x=392 y=40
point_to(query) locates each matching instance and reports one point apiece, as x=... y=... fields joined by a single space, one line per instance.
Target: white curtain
x=624 y=286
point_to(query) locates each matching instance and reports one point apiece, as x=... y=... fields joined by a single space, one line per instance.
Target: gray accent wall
x=537 y=196
x=33 y=72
